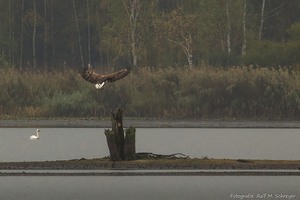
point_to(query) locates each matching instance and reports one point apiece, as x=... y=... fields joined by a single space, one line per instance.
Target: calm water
x=76 y=143
x=71 y=143
x=146 y=188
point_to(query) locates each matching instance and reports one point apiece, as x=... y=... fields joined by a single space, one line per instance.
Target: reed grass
x=242 y=92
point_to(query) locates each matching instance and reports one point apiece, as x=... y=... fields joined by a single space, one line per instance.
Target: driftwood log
x=148 y=155
x=121 y=146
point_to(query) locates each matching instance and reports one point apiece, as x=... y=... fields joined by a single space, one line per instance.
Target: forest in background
x=52 y=34
x=203 y=59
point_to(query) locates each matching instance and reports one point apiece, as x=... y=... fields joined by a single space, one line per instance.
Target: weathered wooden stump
x=129 y=144
x=121 y=147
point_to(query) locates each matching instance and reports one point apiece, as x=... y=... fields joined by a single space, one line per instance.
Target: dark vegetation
x=43 y=45
x=49 y=35
x=202 y=93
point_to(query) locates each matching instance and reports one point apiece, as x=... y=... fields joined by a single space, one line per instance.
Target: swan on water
x=37 y=136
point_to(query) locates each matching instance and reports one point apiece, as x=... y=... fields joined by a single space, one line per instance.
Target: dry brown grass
x=206 y=93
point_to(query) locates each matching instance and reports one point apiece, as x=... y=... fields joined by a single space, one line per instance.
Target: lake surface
x=148 y=188
x=76 y=143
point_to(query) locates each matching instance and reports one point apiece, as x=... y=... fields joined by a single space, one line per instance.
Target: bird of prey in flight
x=100 y=79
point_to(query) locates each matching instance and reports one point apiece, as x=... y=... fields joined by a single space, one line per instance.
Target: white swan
x=37 y=136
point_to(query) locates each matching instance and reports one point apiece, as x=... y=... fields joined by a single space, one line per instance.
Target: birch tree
x=78 y=34
x=179 y=30
x=88 y=30
x=244 y=45
x=21 y=34
x=132 y=8
x=261 y=20
x=34 y=34
x=228 y=38
x=52 y=31
x=45 y=35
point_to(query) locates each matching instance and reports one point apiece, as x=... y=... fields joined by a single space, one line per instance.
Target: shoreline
x=210 y=173
x=147 y=123
x=177 y=163
x=185 y=167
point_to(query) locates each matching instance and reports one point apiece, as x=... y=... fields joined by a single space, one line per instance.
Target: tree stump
x=112 y=145
x=120 y=147
x=129 y=144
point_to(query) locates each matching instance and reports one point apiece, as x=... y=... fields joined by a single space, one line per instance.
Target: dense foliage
x=44 y=43
x=49 y=34
x=204 y=93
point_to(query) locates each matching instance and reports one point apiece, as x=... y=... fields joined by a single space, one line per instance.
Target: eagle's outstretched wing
x=99 y=79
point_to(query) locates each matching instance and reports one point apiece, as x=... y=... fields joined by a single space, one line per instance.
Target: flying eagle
x=100 y=79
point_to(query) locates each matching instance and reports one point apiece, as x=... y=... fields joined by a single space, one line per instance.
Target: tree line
x=49 y=34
